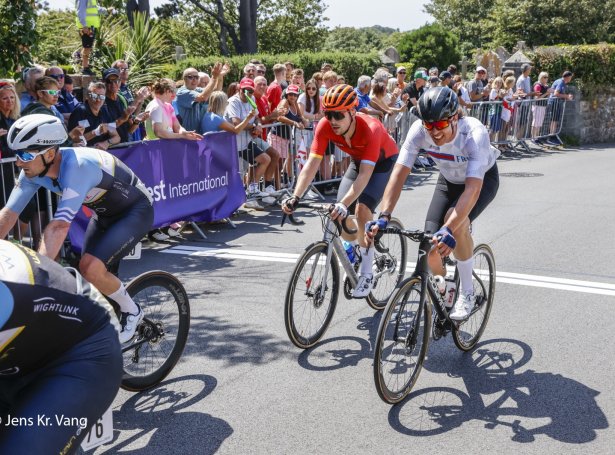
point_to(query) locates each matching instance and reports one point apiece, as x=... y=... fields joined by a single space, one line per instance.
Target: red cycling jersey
x=369 y=144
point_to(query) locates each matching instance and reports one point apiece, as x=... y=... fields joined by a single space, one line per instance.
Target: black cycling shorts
x=254 y=149
x=373 y=192
x=81 y=384
x=447 y=194
x=111 y=238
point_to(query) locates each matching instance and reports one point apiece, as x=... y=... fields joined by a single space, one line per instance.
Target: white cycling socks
x=121 y=297
x=367 y=257
x=465 y=275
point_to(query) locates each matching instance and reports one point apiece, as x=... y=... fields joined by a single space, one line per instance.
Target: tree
x=430 y=45
x=350 y=39
x=18 y=35
x=49 y=26
x=245 y=26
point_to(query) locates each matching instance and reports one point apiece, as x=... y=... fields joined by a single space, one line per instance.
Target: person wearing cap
x=415 y=89
x=446 y=79
x=555 y=105
x=132 y=99
x=192 y=99
x=476 y=89
x=262 y=158
x=88 y=21
x=118 y=107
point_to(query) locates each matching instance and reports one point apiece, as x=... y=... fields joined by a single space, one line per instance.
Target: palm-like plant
x=144 y=47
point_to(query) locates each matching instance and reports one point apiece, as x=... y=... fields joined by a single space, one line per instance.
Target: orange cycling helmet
x=340 y=97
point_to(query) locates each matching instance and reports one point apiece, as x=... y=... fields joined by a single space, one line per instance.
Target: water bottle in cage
x=350 y=251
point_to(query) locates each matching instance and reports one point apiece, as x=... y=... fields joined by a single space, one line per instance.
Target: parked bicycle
x=403 y=334
x=312 y=292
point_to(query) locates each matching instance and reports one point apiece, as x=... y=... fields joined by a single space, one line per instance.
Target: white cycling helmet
x=36 y=132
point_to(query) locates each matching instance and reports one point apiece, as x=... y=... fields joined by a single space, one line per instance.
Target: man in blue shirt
x=556 y=105
x=365 y=102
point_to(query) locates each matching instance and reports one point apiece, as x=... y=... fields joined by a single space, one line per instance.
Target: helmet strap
x=350 y=125
x=46 y=164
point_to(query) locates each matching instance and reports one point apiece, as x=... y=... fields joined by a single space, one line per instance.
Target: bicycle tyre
x=469 y=332
x=307 y=337
x=378 y=298
x=143 y=289
x=390 y=359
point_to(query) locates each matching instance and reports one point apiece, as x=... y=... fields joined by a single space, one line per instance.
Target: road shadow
x=530 y=403
x=146 y=416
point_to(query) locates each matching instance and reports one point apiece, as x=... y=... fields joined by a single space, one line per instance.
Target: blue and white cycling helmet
x=36 y=132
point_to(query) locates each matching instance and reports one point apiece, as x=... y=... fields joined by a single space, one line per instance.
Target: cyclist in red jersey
x=373 y=153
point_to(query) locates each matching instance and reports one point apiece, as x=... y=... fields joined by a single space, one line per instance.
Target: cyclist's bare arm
x=8 y=218
x=53 y=237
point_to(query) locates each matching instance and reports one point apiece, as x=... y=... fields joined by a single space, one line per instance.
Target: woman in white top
x=162 y=123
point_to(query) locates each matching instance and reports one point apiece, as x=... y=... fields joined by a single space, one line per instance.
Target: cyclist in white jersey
x=468 y=182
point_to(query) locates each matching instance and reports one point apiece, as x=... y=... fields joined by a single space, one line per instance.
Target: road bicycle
x=313 y=289
x=403 y=334
x=161 y=336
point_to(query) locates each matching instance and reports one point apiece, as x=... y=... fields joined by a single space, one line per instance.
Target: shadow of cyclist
x=153 y=424
x=530 y=403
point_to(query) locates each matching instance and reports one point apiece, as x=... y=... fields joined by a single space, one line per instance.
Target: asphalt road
x=539 y=382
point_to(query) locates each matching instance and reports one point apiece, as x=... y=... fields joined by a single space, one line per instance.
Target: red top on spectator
x=370 y=143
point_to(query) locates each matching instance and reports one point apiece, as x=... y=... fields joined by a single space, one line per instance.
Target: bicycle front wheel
x=161 y=336
x=310 y=298
x=401 y=343
x=467 y=334
x=389 y=266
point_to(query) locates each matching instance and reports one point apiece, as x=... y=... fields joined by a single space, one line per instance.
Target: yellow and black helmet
x=341 y=97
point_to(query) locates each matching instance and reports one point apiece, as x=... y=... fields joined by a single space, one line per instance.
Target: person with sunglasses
x=120 y=203
x=47 y=92
x=467 y=184
x=59 y=353
x=66 y=101
x=373 y=153
x=94 y=117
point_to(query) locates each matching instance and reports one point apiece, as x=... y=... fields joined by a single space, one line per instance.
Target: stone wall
x=591 y=119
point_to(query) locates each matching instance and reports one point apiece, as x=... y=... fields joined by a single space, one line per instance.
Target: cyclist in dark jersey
x=373 y=153
x=121 y=204
x=59 y=354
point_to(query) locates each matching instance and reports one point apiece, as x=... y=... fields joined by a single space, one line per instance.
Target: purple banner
x=188 y=180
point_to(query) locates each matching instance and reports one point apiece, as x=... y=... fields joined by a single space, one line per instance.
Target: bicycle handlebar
x=416 y=235
x=321 y=207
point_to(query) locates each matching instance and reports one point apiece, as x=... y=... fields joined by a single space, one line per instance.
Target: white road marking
x=548 y=282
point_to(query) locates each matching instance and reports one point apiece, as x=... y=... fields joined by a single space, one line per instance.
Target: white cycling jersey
x=470 y=154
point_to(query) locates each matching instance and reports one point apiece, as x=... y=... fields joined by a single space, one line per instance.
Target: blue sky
x=401 y=14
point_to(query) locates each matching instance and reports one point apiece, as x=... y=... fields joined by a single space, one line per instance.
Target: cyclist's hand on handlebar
x=290 y=204
x=339 y=210
x=445 y=241
x=372 y=228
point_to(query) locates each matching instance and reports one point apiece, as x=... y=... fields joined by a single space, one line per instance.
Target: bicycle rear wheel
x=467 y=334
x=310 y=300
x=389 y=266
x=161 y=336
x=401 y=343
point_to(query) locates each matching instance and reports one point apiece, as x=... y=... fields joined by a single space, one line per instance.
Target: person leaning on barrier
x=93 y=116
x=118 y=107
x=162 y=122
x=415 y=89
x=555 y=105
x=133 y=100
x=542 y=90
x=213 y=121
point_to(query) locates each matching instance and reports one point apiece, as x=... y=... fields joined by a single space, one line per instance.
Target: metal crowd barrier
x=510 y=124
x=39 y=211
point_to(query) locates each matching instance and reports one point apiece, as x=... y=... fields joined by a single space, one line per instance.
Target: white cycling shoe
x=463 y=307
x=129 y=323
x=364 y=286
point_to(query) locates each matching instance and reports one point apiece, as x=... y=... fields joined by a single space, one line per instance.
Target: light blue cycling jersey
x=89 y=177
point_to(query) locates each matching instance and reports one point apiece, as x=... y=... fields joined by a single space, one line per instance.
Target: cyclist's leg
x=347 y=181
x=80 y=386
x=106 y=242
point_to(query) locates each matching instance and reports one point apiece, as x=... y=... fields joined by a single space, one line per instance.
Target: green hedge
x=350 y=65
x=593 y=65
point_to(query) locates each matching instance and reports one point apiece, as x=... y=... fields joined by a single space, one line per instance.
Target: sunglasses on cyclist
x=25 y=156
x=51 y=92
x=438 y=124
x=96 y=96
x=337 y=115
